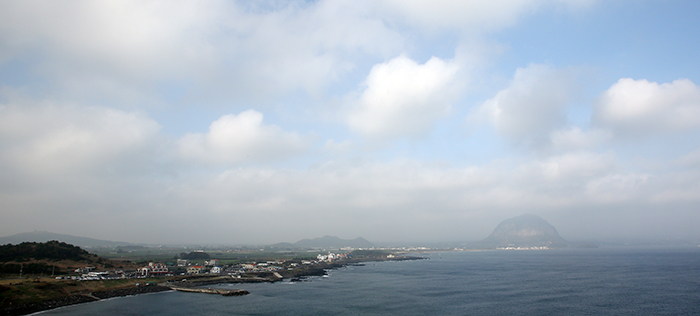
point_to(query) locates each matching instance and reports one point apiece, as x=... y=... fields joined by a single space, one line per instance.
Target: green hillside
x=50 y=257
x=51 y=250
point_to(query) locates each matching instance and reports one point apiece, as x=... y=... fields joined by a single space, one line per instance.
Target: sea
x=601 y=281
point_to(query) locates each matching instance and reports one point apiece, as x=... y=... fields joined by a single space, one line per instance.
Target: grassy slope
x=15 y=291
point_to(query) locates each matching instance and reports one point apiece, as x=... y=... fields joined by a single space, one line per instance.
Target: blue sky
x=238 y=123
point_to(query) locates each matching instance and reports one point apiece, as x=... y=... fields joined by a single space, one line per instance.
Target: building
x=182 y=262
x=196 y=269
x=84 y=270
x=153 y=269
x=212 y=262
x=216 y=270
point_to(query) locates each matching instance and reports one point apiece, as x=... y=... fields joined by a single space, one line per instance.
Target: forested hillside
x=50 y=257
x=51 y=250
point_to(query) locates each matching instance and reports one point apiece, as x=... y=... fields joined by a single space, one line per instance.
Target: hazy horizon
x=397 y=243
x=231 y=122
x=380 y=244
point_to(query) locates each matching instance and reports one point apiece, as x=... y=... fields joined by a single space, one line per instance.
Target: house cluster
x=153 y=269
x=331 y=257
x=209 y=267
x=267 y=266
x=212 y=266
x=87 y=274
x=84 y=269
x=523 y=248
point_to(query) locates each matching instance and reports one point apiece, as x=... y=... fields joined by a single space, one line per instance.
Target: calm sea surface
x=605 y=281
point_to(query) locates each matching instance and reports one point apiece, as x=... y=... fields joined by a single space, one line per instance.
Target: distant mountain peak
x=44 y=236
x=526 y=230
x=327 y=242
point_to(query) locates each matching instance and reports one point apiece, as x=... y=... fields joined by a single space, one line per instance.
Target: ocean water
x=604 y=281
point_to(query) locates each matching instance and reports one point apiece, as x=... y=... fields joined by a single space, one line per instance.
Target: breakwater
x=237 y=292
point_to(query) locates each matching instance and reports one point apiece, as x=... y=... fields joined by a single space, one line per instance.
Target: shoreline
x=73 y=299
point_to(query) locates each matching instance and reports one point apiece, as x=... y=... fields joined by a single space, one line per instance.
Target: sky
x=239 y=122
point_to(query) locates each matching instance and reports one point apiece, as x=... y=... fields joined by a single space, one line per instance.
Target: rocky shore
x=80 y=298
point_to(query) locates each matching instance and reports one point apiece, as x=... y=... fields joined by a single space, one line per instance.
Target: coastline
x=315 y=270
x=319 y=269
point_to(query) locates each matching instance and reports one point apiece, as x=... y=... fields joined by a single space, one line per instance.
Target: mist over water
x=605 y=281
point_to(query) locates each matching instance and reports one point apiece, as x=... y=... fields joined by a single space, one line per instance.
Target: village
x=52 y=274
x=209 y=267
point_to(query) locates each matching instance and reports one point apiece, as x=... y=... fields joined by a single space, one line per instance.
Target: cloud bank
x=237 y=122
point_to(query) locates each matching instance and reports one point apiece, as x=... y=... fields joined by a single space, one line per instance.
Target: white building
x=153 y=269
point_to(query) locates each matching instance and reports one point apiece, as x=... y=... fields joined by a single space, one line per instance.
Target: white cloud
x=307 y=46
x=634 y=108
x=50 y=138
x=242 y=138
x=124 y=41
x=403 y=98
x=531 y=107
x=129 y=49
x=135 y=51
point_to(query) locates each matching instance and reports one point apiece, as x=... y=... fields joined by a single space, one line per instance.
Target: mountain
x=48 y=258
x=326 y=242
x=524 y=231
x=43 y=236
